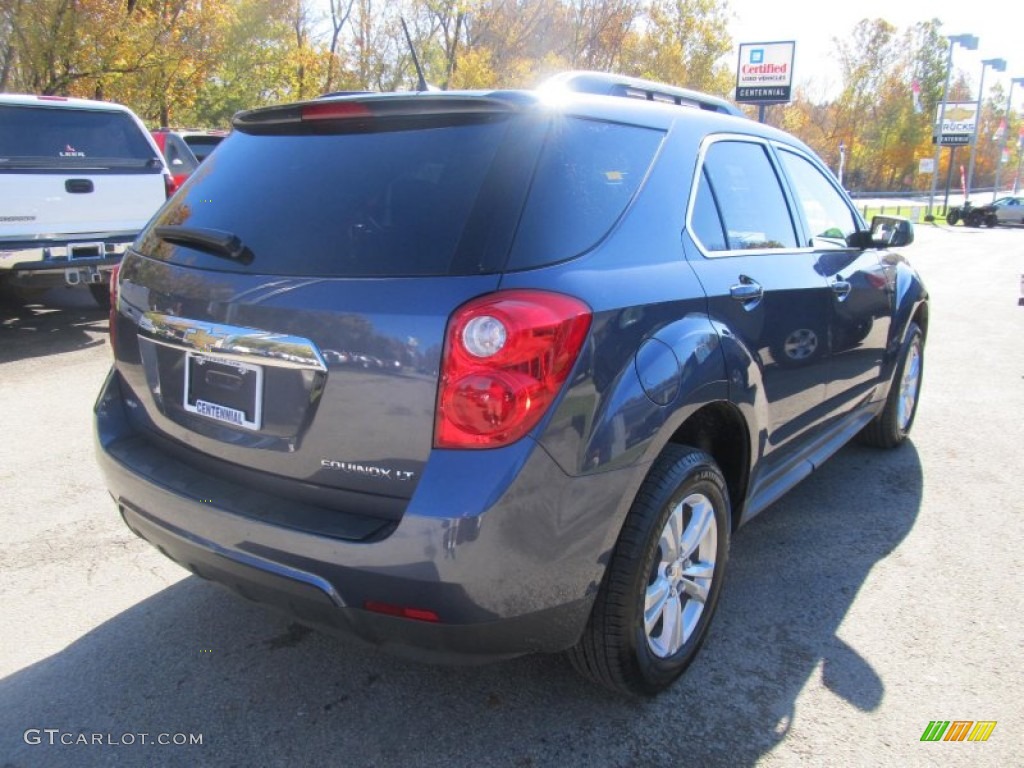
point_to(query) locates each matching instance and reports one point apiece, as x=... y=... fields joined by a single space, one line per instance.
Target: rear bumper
x=502 y=546
x=86 y=258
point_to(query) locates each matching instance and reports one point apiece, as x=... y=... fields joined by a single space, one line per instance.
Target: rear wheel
x=890 y=427
x=952 y=217
x=662 y=585
x=973 y=219
x=991 y=220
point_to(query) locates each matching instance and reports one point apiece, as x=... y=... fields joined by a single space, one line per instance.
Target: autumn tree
x=682 y=42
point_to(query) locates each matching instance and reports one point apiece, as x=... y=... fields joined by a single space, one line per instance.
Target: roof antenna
x=421 y=84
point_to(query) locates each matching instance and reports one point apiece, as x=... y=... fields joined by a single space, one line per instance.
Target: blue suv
x=473 y=375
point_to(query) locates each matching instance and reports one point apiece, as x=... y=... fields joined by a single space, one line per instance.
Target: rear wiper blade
x=216 y=242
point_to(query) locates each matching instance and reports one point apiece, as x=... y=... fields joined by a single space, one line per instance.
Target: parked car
x=1008 y=210
x=202 y=143
x=180 y=158
x=584 y=295
x=78 y=180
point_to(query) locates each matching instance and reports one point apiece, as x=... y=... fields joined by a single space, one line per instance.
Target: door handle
x=747 y=290
x=841 y=289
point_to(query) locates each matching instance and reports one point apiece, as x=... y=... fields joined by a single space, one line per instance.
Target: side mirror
x=891 y=232
x=177 y=161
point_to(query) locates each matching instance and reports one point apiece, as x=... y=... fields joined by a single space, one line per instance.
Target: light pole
x=999 y=65
x=1020 y=156
x=970 y=42
x=1006 y=133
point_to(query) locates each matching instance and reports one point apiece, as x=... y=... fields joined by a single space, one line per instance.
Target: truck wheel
x=662 y=584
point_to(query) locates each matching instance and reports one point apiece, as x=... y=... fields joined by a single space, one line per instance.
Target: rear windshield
x=46 y=137
x=201 y=146
x=500 y=193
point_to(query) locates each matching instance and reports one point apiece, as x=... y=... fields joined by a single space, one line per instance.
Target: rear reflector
x=401 y=611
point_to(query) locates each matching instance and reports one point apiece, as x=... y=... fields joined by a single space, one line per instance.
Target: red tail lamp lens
x=334 y=110
x=170 y=185
x=112 y=325
x=506 y=357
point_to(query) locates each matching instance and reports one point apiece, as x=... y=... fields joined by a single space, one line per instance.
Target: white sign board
x=957 y=122
x=926 y=165
x=765 y=72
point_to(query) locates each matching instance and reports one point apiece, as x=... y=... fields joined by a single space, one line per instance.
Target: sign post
x=764 y=74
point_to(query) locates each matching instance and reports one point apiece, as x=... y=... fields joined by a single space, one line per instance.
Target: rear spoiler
x=371 y=107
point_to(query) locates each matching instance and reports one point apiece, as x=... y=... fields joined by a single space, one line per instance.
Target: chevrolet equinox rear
x=473 y=375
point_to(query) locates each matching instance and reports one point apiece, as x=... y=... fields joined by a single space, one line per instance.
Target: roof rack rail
x=610 y=84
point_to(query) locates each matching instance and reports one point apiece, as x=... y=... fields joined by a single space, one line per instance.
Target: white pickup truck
x=78 y=180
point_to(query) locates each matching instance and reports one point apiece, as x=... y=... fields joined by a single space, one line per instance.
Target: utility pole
x=1006 y=135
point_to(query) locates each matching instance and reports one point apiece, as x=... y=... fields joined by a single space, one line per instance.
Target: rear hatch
x=67 y=171
x=284 y=315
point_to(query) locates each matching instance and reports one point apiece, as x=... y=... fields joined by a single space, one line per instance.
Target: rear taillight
x=170 y=185
x=506 y=357
x=114 y=274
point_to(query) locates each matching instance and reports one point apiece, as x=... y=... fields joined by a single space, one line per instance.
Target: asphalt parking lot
x=881 y=594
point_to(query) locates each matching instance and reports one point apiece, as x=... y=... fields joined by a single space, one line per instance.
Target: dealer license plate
x=224 y=390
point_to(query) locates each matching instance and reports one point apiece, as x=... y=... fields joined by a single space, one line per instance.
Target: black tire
x=100 y=294
x=891 y=426
x=618 y=649
x=991 y=220
x=952 y=217
x=973 y=219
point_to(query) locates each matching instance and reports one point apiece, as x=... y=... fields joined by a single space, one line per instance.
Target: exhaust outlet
x=71 y=277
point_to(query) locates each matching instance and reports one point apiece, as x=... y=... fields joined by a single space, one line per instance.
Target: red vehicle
x=185 y=150
x=180 y=159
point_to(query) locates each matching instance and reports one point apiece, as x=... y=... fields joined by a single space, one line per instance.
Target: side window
x=706 y=223
x=828 y=216
x=740 y=178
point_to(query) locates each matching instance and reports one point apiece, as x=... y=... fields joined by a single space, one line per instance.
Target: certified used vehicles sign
x=765 y=72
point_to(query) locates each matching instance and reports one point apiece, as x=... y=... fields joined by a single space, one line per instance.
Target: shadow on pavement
x=265 y=692
x=59 y=320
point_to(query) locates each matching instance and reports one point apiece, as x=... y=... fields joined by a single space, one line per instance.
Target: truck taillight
x=170 y=185
x=506 y=357
x=114 y=275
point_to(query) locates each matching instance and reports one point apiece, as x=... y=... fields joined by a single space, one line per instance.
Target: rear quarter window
x=587 y=174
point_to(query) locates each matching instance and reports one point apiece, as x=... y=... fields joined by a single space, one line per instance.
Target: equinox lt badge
x=366 y=470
